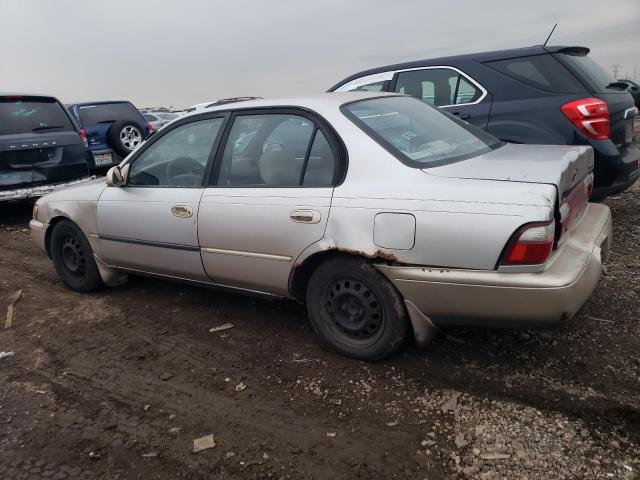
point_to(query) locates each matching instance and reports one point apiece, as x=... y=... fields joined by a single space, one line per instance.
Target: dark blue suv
x=113 y=129
x=540 y=95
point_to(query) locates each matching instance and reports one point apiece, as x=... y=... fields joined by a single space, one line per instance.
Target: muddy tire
x=73 y=258
x=356 y=310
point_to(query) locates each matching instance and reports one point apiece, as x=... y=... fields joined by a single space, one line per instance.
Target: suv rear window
x=107 y=113
x=419 y=135
x=540 y=71
x=597 y=76
x=32 y=114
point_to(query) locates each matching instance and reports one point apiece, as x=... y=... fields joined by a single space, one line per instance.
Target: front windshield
x=418 y=134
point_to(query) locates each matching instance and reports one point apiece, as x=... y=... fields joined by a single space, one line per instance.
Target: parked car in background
x=41 y=148
x=634 y=89
x=159 y=119
x=429 y=221
x=536 y=95
x=113 y=130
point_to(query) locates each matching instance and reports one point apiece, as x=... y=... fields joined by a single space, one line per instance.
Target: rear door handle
x=183 y=211
x=463 y=116
x=305 y=216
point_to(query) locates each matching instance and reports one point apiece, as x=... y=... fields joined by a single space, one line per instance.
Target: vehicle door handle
x=463 y=116
x=305 y=216
x=183 y=211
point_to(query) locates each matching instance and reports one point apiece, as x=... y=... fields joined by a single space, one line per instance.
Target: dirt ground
x=118 y=384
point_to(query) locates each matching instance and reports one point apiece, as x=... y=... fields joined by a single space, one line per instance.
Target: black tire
x=356 y=310
x=73 y=258
x=116 y=142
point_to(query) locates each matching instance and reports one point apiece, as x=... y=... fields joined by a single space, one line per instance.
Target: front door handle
x=183 y=211
x=305 y=216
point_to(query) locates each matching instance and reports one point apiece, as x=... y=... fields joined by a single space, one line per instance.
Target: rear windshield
x=108 y=113
x=418 y=134
x=586 y=68
x=540 y=71
x=28 y=114
x=168 y=116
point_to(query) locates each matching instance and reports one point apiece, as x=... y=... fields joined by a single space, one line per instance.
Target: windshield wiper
x=49 y=127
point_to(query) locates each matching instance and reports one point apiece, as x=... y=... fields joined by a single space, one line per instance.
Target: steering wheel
x=184 y=172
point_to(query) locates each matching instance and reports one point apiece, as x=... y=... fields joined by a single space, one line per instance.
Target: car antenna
x=552 y=30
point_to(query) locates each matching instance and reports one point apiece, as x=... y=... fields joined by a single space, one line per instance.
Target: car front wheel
x=355 y=309
x=73 y=258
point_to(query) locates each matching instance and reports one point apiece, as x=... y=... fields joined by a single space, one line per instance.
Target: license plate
x=102 y=159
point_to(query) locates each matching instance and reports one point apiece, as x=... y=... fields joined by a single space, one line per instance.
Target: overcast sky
x=160 y=52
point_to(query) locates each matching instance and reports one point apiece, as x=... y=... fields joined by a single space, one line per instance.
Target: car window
x=418 y=134
x=178 y=158
x=107 y=113
x=586 y=68
x=540 y=71
x=32 y=114
x=272 y=150
x=372 y=87
x=150 y=118
x=320 y=166
x=437 y=86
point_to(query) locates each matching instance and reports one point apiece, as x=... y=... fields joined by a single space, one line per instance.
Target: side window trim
x=367 y=79
x=224 y=115
x=394 y=81
x=320 y=124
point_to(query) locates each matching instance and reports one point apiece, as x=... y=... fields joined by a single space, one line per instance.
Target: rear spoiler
x=577 y=51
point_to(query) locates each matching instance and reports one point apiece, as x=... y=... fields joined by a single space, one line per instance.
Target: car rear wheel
x=124 y=137
x=73 y=258
x=355 y=309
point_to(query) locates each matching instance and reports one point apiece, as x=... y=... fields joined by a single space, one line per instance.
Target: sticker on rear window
x=409 y=135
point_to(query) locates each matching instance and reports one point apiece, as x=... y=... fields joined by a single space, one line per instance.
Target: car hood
x=558 y=165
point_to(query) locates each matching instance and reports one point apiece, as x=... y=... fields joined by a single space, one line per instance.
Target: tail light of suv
x=83 y=136
x=590 y=115
x=530 y=245
x=149 y=128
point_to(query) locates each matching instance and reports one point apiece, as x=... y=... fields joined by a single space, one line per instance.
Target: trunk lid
x=558 y=165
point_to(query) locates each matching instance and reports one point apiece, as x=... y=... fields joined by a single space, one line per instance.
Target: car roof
x=100 y=102
x=23 y=94
x=335 y=99
x=478 y=57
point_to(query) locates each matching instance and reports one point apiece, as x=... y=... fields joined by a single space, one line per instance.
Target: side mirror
x=115 y=177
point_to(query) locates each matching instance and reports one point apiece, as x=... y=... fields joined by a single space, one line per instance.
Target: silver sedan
x=386 y=217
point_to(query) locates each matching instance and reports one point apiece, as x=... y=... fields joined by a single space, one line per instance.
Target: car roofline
x=485 y=56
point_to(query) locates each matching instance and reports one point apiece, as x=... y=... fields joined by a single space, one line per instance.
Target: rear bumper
x=474 y=297
x=38 y=190
x=624 y=174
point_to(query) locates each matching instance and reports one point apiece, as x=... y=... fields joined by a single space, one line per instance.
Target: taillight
x=530 y=245
x=590 y=115
x=83 y=136
x=149 y=128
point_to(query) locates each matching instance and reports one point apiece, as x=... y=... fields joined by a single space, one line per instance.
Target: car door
x=269 y=198
x=150 y=224
x=447 y=88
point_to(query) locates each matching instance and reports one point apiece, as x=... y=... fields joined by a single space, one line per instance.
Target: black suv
x=540 y=95
x=41 y=148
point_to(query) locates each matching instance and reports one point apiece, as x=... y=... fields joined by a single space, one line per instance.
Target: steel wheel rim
x=130 y=137
x=352 y=311
x=73 y=256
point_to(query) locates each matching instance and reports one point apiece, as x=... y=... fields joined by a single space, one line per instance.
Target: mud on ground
x=118 y=384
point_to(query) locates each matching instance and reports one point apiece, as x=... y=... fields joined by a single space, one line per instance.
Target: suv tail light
x=149 y=128
x=530 y=245
x=83 y=136
x=590 y=115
